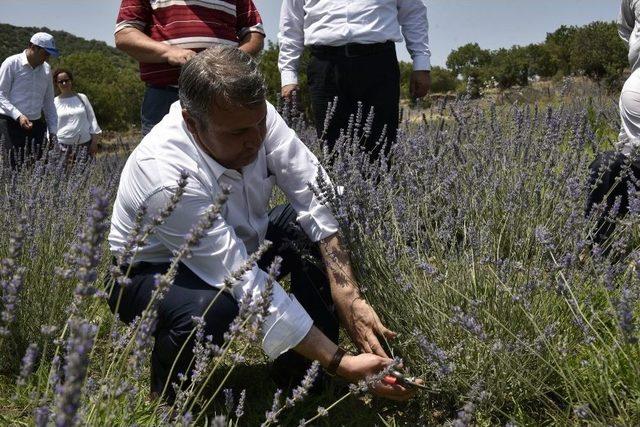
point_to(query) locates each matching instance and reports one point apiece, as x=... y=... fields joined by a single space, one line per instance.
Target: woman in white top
x=77 y=125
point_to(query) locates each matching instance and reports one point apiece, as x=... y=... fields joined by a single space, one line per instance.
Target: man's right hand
x=178 y=56
x=356 y=368
x=25 y=123
x=288 y=90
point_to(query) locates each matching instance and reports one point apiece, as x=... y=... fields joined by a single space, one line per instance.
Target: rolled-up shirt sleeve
x=219 y=254
x=134 y=14
x=412 y=16
x=295 y=167
x=248 y=19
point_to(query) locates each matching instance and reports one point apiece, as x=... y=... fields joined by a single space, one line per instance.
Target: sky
x=490 y=23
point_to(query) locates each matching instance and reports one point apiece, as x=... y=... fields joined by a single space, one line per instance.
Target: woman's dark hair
x=59 y=71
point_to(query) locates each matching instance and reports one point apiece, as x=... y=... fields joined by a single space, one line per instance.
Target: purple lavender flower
x=41 y=416
x=465 y=416
x=436 y=358
x=219 y=421
x=468 y=323
x=240 y=407
x=301 y=391
x=625 y=308
x=543 y=236
x=28 y=363
x=85 y=255
x=271 y=416
x=11 y=277
x=228 y=399
x=78 y=348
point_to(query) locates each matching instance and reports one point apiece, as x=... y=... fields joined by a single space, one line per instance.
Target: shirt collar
x=216 y=168
x=23 y=59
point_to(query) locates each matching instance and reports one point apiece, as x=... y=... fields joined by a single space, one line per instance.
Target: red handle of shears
x=390 y=379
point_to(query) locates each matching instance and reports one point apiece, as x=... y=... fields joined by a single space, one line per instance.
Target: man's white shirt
x=28 y=91
x=338 y=22
x=629 y=29
x=630 y=114
x=150 y=177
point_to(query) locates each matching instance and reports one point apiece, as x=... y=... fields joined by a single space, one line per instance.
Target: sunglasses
x=65 y=81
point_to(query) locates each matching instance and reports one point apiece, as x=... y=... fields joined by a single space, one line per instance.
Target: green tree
x=558 y=44
x=510 y=67
x=443 y=80
x=115 y=91
x=541 y=60
x=468 y=58
x=597 y=51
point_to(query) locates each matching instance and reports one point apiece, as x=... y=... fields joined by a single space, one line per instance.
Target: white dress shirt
x=28 y=91
x=76 y=119
x=629 y=29
x=150 y=176
x=338 y=22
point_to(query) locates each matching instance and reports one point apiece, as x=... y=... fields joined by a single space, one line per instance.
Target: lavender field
x=472 y=244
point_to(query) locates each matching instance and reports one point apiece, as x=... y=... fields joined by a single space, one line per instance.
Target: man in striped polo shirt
x=164 y=34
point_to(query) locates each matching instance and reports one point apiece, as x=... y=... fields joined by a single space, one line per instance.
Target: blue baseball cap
x=45 y=41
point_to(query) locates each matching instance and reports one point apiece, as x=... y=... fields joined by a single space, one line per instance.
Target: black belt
x=351 y=50
x=167 y=88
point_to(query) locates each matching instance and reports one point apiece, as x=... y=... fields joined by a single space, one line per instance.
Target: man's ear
x=191 y=124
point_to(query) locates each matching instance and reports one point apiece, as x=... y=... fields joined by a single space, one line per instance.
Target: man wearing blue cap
x=26 y=90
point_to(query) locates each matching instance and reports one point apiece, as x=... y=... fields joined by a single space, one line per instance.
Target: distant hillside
x=15 y=39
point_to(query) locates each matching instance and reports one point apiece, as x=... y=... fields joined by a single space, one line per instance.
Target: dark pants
x=189 y=296
x=352 y=76
x=19 y=144
x=155 y=105
x=603 y=172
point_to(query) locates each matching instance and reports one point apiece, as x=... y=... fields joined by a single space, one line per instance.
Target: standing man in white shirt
x=353 y=58
x=223 y=133
x=26 y=89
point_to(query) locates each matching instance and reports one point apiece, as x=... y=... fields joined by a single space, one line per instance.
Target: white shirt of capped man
x=28 y=91
x=150 y=176
x=338 y=22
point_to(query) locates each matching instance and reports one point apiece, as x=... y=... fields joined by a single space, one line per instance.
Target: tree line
x=110 y=78
x=593 y=50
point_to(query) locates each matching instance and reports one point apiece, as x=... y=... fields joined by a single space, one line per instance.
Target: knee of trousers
x=217 y=313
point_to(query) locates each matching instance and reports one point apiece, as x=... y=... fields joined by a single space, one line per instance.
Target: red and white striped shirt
x=189 y=24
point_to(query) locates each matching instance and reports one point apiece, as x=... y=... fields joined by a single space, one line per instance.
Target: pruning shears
x=397 y=377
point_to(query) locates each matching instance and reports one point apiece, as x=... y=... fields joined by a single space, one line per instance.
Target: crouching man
x=223 y=133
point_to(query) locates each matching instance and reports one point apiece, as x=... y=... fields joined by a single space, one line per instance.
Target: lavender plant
x=472 y=242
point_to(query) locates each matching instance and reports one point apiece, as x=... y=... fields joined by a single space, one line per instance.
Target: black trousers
x=371 y=78
x=189 y=296
x=19 y=144
x=603 y=172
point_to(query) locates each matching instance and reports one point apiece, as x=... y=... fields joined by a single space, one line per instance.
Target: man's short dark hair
x=220 y=74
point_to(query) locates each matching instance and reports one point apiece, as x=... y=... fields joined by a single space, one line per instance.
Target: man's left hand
x=364 y=326
x=419 y=83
